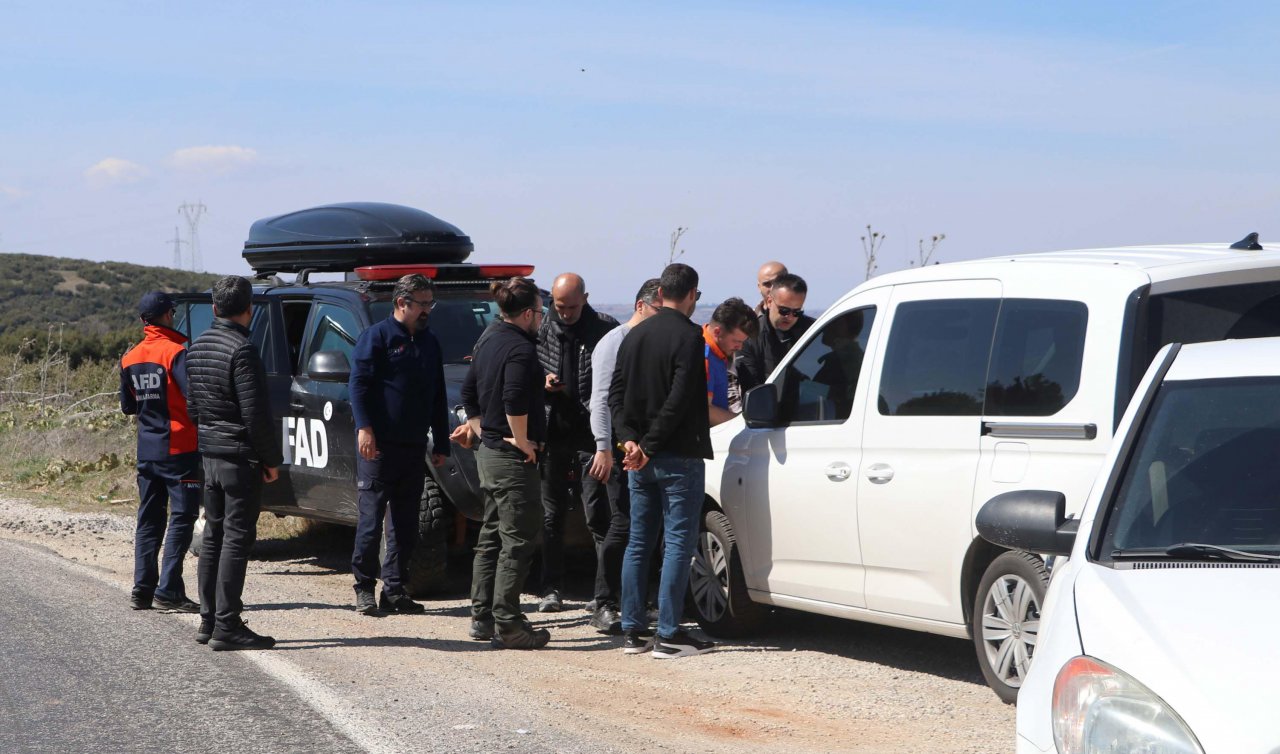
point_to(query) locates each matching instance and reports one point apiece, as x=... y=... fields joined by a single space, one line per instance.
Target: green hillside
x=90 y=306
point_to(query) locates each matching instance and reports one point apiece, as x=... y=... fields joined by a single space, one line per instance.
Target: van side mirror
x=329 y=366
x=1029 y=520
x=760 y=407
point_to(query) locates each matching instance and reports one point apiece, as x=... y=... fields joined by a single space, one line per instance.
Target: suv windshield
x=1205 y=470
x=457 y=320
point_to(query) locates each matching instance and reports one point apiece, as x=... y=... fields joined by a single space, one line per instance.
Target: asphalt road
x=80 y=672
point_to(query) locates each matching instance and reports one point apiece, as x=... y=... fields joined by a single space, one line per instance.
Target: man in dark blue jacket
x=397 y=394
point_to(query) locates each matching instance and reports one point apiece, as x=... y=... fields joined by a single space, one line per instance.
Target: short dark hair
x=678 y=281
x=734 y=314
x=514 y=295
x=793 y=283
x=409 y=285
x=648 y=292
x=231 y=296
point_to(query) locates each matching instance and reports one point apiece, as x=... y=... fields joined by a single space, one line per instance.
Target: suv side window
x=819 y=384
x=1035 y=365
x=334 y=328
x=295 y=329
x=936 y=360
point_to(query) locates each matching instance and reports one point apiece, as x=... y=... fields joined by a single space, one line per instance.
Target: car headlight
x=1100 y=710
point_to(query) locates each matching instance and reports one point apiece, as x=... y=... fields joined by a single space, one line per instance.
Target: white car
x=849 y=486
x=1158 y=633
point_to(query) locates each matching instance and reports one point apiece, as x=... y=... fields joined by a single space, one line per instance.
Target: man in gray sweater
x=606 y=466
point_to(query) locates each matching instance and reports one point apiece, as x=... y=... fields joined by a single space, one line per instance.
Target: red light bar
x=396 y=271
x=506 y=270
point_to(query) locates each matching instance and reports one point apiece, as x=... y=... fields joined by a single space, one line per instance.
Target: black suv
x=307 y=330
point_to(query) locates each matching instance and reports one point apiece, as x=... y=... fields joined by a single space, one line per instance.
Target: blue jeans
x=666 y=496
x=165 y=488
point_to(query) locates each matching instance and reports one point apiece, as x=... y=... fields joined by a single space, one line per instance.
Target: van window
x=1035 y=365
x=335 y=329
x=936 y=360
x=818 y=385
x=1207 y=314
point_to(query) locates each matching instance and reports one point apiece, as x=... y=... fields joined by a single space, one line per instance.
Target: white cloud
x=213 y=159
x=114 y=171
x=10 y=192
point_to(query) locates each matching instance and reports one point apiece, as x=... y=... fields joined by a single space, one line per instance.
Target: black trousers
x=606 y=506
x=390 y=486
x=232 y=501
x=167 y=489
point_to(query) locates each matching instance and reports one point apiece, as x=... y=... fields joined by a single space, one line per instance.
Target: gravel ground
x=417 y=682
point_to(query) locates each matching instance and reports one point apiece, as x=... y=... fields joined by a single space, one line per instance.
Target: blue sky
x=770 y=130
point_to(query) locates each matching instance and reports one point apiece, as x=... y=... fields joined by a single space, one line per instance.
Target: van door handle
x=297 y=407
x=879 y=473
x=838 y=472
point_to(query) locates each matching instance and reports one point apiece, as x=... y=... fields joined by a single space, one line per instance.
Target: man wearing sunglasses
x=781 y=325
x=397 y=393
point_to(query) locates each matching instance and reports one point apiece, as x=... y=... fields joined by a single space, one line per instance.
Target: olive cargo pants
x=508 y=533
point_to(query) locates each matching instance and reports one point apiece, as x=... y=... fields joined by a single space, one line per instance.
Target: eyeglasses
x=786 y=311
x=428 y=305
x=698 y=297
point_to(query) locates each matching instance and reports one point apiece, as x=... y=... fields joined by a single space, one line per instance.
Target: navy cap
x=154 y=304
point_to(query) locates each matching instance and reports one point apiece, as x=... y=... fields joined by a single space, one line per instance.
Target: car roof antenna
x=1248 y=243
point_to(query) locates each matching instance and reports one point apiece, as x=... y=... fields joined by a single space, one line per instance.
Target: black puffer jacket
x=561 y=350
x=227 y=396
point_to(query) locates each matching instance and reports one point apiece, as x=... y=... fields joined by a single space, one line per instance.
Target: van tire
x=428 y=568
x=718 y=594
x=1006 y=608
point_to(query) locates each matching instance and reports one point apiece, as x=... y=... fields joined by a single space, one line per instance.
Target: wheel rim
x=1010 y=627
x=709 y=578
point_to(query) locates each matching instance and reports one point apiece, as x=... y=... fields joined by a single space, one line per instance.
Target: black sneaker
x=520 y=635
x=180 y=605
x=205 y=632
x=680 y=645
x=592 y=606
x=551 y=602
x=482 y=629
x=365 y=603
x=399 y=603
x=140 y=600
x=637 y=642
x=238 y=639
x=606 y=620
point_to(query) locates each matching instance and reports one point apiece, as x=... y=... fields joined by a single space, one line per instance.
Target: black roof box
x=341 y=237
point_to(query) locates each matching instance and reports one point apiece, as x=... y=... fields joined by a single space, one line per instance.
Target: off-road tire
x=428 y=567
x=1022 y=576
x=718 y=595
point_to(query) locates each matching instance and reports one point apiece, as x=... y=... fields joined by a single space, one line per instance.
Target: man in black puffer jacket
x=229 y=402
x=566 y=341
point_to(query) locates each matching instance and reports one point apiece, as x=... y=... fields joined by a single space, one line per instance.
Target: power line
x=193 y=213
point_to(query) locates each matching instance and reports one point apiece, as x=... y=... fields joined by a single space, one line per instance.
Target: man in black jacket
x=231 y=407
x=566 y=341
x=781 y=325
x=658 y=399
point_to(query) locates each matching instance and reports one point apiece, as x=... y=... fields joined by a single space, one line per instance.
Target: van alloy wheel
x=709 y=577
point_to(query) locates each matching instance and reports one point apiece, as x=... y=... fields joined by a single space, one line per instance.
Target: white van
x=850 y=484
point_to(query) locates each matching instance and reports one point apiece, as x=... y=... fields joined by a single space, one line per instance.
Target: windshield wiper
x=1193 y=551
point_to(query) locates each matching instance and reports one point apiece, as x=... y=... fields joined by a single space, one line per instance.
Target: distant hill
x=92 y=304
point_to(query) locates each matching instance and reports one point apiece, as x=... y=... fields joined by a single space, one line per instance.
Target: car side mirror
x=1029 y=520
x=329 y=366
x=760 y=407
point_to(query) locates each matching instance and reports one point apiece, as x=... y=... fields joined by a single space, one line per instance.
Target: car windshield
x=457 y=320
x=1205 y=470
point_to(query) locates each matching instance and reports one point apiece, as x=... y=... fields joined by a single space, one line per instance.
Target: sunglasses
x=786 y=311
x=698 y=297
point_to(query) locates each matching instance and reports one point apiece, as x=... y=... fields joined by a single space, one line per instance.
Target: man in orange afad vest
x=153 y=387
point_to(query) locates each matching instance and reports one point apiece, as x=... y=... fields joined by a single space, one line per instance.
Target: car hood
x=1201 y=636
